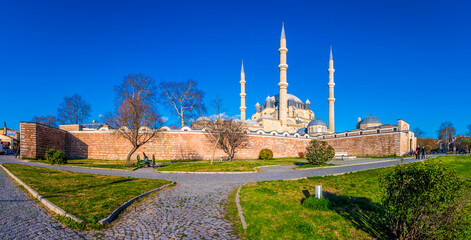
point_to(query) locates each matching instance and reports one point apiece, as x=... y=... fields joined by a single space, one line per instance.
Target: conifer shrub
x=319 y=152
x=424 y=200
x=265 y=154
x=55 y=157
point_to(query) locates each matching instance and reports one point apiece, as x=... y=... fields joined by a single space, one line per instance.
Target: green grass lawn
x=244 y=165
x=90 y=197
x=94 y=163
x=273 y=209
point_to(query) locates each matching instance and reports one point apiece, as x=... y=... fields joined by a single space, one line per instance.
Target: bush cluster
x=265 y=154
x=55 y=157
x=424 y=201
x=319 y=152
x=314 y=203
x=301 y=154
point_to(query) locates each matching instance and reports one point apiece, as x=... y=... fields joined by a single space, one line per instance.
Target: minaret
x=242 y=93
x=331 y=98
x=283 y=108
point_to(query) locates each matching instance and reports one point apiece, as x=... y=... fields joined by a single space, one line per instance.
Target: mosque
x=285 y=112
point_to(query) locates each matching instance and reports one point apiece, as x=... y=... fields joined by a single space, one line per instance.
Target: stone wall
x=36 y=139
x=193 y=144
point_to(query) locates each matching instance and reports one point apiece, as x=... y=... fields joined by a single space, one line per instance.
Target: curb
x=115 y=213
x=239 y=209
x=44 y=201
x=246 y=172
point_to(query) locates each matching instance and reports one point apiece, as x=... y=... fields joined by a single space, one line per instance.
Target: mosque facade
x=284 y=112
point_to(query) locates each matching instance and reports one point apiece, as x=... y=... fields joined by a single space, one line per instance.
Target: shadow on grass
x=364 y=214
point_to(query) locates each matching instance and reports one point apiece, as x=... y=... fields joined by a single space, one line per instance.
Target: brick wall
x=36 y=139
x=194 y=144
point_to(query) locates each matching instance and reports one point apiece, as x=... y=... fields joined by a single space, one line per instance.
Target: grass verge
x=89 y=197
x=94 y=163
x=273 y=209
x=308 y=165
x=216 y=167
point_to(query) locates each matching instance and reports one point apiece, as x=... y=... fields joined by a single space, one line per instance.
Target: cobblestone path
x=22 y=218
x=180 y=212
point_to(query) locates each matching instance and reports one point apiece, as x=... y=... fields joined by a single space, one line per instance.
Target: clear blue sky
x=393 y=59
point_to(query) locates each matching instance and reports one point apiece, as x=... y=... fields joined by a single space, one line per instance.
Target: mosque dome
x=370 y=119
x=289 y=97
x=267 y=116
x=250 y=121
x=302 y=130
x=315 y=122
x=203 y=119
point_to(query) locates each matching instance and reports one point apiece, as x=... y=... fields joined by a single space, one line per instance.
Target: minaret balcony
x=243 y=94
x=283 y=66
x=285 y=50
x=283 y=85
x=331 y=84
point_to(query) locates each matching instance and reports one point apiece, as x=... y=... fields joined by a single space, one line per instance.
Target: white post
x=318 y=191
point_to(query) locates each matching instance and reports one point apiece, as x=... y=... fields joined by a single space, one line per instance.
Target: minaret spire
x=331 y=98
x=283 y=85
x=242 y=93
x=283 y=36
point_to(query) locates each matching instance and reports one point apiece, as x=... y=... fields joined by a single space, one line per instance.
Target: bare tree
x=74 y=110
x=217 y=105
x=46 y=120
x=229 y=135
x=136 y=118
x=468 y=133
x=446 y=133
x=184 y=99
x=419 y=132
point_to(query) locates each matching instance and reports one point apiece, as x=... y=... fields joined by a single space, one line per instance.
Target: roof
x=92 y=125
x=370 y=119
x=316 y=122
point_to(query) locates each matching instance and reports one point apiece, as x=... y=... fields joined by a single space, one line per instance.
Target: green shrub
x=55 y=157
x=265 y=154
x=314 y=203
x=424 y=201
x=319 y=152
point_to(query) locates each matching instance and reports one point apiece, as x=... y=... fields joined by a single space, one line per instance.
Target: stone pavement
x=193 y=209
x=22 y=218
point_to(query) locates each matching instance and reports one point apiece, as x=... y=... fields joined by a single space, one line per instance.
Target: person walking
x=417 y=152
x=423 y=152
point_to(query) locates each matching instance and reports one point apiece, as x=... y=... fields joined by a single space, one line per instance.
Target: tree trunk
x=214 y=150
x=128 y=158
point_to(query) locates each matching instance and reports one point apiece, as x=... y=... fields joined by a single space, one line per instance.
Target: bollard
x=318 y=191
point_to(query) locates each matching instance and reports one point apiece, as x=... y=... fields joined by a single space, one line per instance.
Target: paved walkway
x=194 y=209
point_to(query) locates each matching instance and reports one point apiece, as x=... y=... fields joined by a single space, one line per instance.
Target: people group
x=420 y=153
